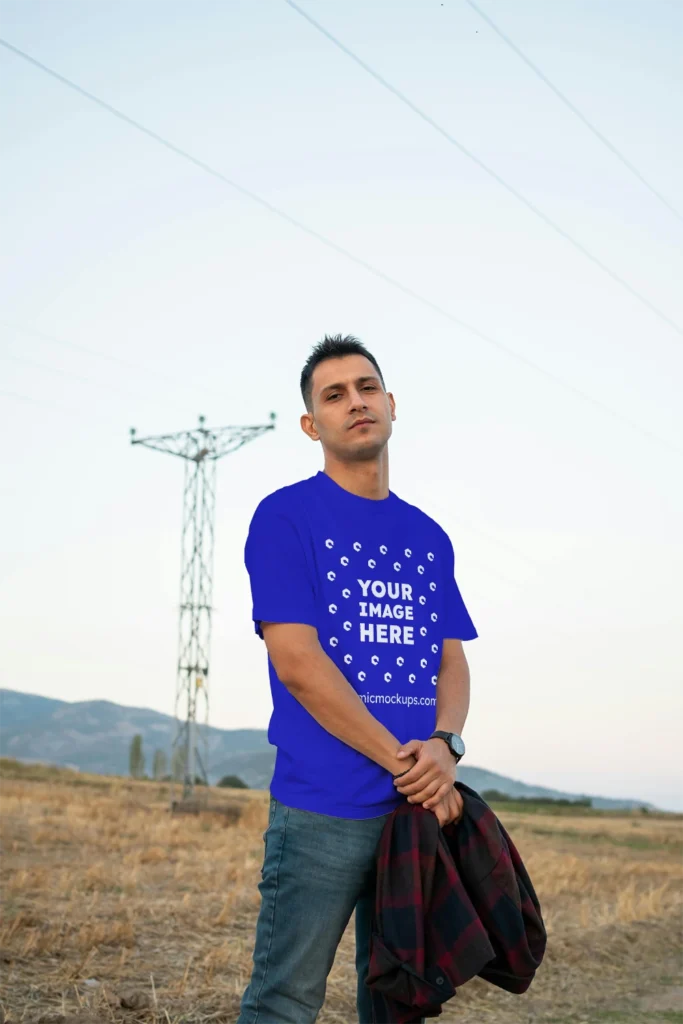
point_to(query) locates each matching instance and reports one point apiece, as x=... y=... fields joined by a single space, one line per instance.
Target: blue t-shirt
x=376 y=580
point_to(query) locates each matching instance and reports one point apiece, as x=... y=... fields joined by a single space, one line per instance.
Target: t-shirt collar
x=354 y=502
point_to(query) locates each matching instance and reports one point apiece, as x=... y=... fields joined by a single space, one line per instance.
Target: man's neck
x=366 y=479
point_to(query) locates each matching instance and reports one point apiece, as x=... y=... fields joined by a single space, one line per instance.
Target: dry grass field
x=115 y=911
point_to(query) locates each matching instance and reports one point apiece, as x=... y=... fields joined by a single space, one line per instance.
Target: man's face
x=347 y=390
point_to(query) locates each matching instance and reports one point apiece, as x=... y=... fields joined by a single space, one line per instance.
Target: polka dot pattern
x=389 y=594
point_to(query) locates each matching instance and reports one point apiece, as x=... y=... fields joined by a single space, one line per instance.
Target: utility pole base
x=188 y=805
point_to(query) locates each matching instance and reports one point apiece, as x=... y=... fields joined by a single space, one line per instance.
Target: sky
x=138 y=290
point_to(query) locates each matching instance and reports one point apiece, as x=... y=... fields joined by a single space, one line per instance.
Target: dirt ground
x=113 y=910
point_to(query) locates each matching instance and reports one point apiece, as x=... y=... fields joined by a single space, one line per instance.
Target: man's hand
x=449 y=810
x=432 y=777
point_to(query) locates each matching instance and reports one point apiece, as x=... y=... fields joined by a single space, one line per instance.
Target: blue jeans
x=316 y=870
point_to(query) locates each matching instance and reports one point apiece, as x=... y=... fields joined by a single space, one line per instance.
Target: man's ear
x=308 y=426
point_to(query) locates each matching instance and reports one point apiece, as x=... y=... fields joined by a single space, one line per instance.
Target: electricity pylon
x=201 y=449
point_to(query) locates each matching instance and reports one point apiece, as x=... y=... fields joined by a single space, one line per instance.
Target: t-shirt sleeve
x=457 y=625
x=279 y=573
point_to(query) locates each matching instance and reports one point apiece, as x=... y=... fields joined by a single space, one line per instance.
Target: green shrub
x=232 y=782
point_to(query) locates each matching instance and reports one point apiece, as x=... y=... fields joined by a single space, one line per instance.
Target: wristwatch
x=455 y=743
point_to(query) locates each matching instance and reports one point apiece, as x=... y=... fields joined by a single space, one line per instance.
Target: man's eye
x=371 y=386
x=332 y=396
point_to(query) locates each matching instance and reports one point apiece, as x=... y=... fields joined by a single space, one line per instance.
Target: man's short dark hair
x=332 y=347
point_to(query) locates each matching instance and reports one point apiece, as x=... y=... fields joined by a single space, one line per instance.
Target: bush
x=232 y=782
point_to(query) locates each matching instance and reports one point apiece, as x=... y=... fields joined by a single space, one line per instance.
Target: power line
x=89 y=382
x=494 y=572
x=495 y=540
x=72 y=412
x=575 y=110
x=36 y=401
x=489 y=170
x=86 y=380
x=105 y=355
x=340 y=250
x=41 y=366
x=448 y=516
x=491 y=537
x=72 y=376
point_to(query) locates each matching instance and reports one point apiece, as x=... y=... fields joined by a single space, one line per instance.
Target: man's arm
x=452 y=688
x=314 y=680
x=433 y=776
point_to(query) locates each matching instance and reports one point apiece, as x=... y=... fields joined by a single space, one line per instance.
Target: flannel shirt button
x=439 y=981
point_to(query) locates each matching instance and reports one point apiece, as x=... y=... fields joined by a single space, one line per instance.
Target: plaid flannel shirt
x=450 y=904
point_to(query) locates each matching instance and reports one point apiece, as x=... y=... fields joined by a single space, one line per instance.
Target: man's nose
x=357 y=400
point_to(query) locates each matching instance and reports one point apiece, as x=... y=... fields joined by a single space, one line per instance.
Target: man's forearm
x=322 y=689
x=453 y=696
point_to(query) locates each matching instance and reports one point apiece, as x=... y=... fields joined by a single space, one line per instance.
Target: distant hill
x=94 y=736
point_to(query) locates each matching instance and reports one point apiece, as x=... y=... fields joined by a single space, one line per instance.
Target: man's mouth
x=360 y=423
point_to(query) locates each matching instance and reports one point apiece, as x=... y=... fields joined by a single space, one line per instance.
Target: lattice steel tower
x=201 y=449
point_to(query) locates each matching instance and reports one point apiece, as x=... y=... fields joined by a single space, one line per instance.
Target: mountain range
x=95 y=736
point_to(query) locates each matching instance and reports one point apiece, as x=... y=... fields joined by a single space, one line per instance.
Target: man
x=354 y=595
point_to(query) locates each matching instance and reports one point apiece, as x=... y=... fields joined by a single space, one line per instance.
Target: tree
x=159 y=765
x=233 y=782
x=494 y=796
x=137 y=757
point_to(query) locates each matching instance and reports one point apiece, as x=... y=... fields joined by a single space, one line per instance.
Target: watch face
x=457 y=745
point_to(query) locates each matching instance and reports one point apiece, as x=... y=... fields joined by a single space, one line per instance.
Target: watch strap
x=440 y=734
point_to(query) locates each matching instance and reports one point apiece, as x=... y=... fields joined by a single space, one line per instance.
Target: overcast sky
x=191 y=298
